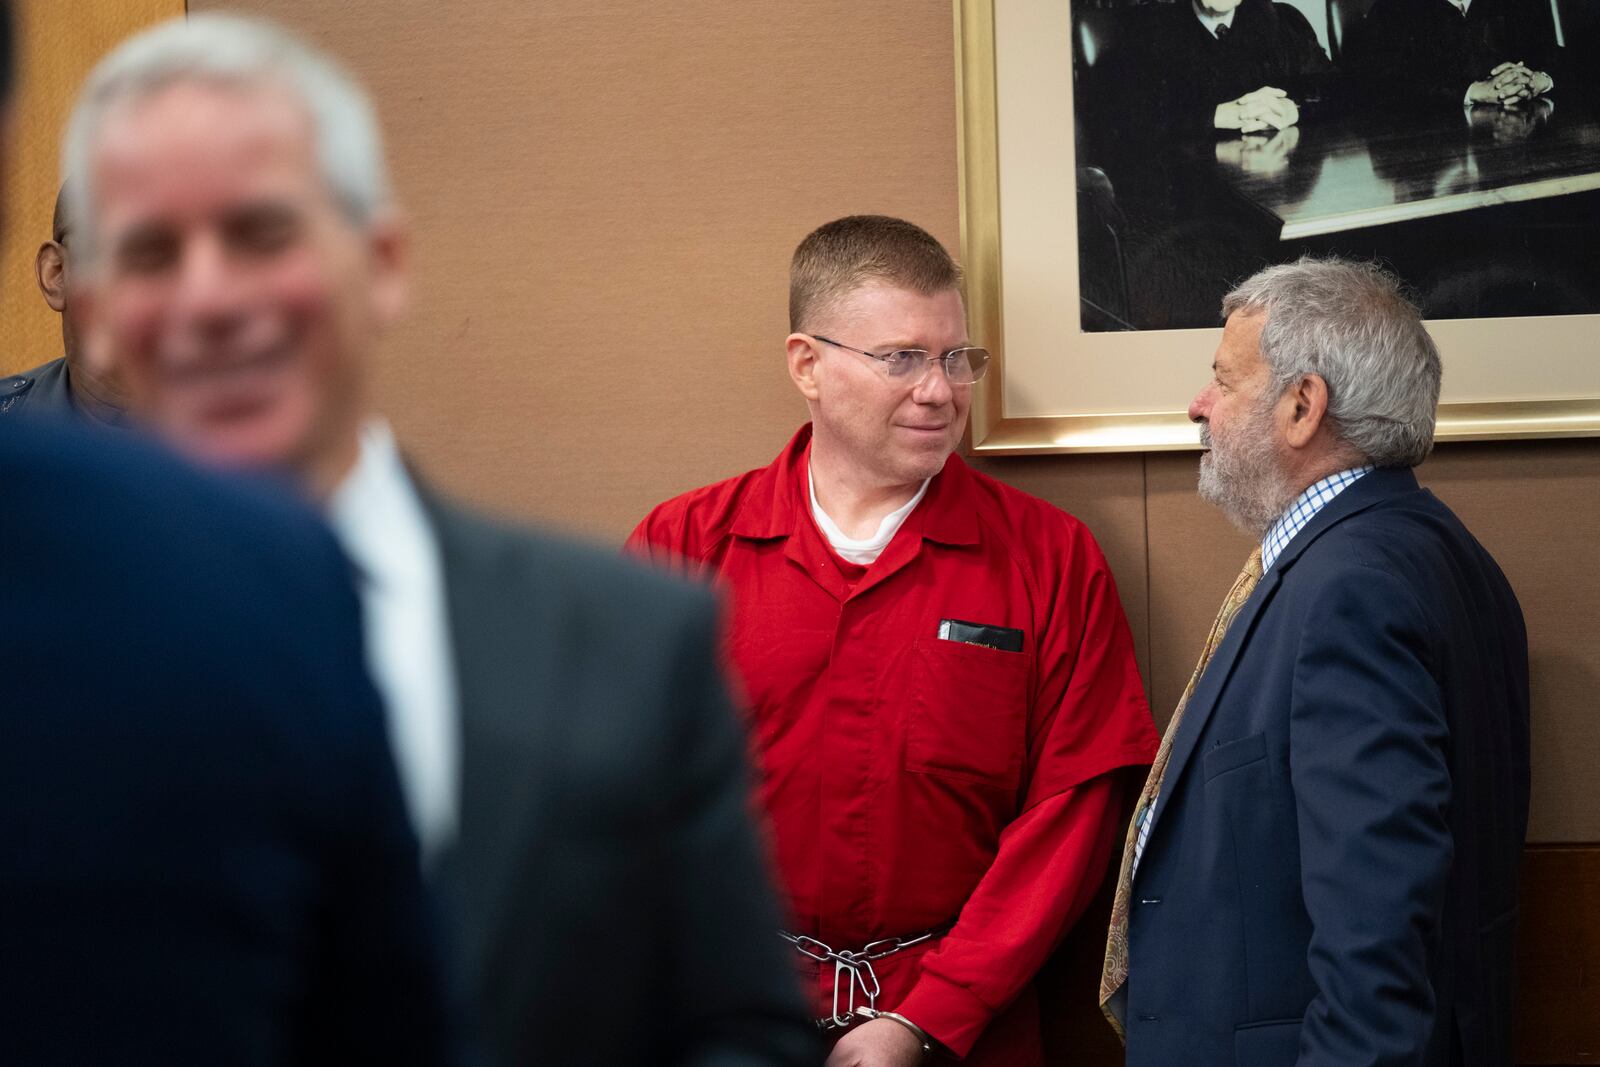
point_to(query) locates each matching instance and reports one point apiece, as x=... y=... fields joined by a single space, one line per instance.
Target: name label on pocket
x=976 y=633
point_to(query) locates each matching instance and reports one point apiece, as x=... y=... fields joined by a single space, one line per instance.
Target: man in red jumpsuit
x=940 y=676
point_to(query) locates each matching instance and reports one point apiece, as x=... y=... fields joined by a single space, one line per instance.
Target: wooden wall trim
x=1558 y=956
x=57 y=44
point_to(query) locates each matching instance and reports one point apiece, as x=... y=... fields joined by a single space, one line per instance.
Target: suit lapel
x=1374 y=488
x=1203 y=701
x=504 y=747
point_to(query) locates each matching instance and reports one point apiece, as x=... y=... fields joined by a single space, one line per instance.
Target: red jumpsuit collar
x=778 y=500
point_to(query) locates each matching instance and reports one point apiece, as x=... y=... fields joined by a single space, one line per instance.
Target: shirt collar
x=778 y=498
x=864 y=549
x=375 y=512
x=1303 y=510
x=1210 y=21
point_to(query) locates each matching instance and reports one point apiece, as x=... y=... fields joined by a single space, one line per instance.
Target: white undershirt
x=379 y=521
x=861 y=551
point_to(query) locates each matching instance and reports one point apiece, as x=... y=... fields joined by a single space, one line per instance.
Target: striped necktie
x=1115 y=971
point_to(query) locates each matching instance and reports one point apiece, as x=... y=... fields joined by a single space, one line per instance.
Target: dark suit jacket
x=1331 y=877
x=42 y=389
x=1170 y=72
x=1151 y=104
x=1424 y=53
x=204 y=857
x=612 y=904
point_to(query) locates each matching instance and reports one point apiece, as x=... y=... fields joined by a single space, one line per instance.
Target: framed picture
x=1059 y=384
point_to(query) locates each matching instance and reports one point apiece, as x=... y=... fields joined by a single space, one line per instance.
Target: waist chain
x=853 y=975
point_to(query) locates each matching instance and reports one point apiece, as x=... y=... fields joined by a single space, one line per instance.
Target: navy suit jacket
x=204 y=857
x=1331 y=876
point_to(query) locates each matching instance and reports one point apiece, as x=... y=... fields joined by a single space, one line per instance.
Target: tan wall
x=605 y=198
x=58 y=42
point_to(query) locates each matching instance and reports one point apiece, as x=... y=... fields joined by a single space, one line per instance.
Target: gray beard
x=1244 y=480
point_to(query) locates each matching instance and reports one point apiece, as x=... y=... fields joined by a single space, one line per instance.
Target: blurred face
x=235 y=301
x=1216 y=7
x=889 y=432
x=1243 y=470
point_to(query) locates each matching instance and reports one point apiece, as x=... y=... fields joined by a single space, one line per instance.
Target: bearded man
x=1322 y=866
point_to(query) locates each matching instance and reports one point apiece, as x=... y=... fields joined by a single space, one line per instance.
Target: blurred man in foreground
x=941 y=676
x=571 y=762
x=204 y=850
x=1323 y=864
x=66 y=385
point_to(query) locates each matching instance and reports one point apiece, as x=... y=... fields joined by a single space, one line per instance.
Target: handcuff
x=916 y=1031
x=853 y=974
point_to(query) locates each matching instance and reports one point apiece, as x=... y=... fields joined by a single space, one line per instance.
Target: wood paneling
x=1558 y=957
x=1194 y=558
x=58 y=44
x=1107 y=494
x=1536 y=506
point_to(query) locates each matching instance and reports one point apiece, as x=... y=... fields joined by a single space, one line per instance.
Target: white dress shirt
x=379 y=520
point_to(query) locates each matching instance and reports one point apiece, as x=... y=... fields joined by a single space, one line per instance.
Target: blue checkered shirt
x=1279 y=534
x=1303 y=510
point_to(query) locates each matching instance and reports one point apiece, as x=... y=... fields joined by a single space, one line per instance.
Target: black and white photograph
x=1455 y=141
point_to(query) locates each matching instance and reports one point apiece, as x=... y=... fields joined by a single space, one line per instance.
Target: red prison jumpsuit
x=912 y=781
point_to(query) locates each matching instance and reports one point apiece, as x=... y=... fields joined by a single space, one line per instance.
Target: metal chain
x=858 y=966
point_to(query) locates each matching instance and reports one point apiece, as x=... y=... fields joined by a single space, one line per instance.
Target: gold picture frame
x=1068 y=391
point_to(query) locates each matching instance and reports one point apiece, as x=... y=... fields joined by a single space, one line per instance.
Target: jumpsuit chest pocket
x=967 y=712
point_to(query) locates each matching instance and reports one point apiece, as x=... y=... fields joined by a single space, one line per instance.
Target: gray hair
x=1352 y=324
x=233 y=51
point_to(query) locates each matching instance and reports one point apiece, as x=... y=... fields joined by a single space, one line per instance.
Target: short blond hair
x=839 y=257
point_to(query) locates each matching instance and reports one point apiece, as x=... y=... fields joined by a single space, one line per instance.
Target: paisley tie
x=1115 y=971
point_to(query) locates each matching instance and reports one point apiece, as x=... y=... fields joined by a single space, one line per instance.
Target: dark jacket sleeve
x=1312 y=80
x=1372 y=787
x=1150 y=91
x=1394 y=64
